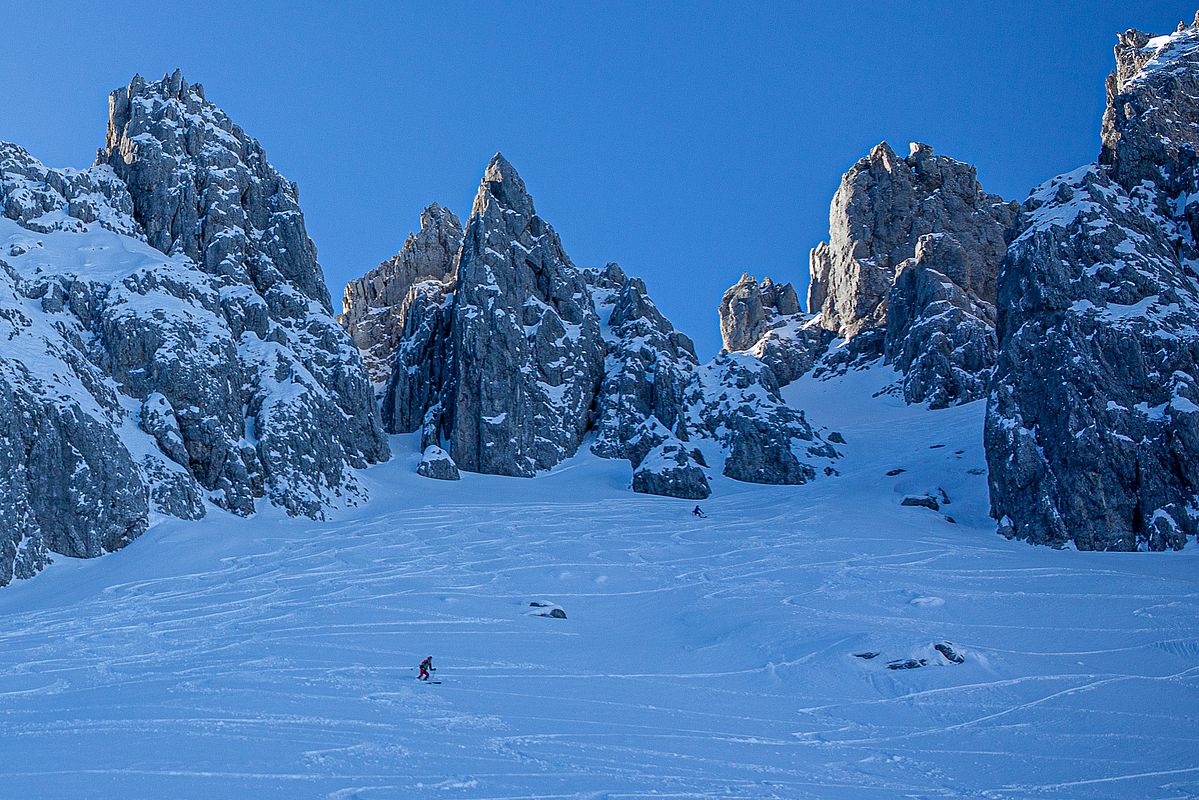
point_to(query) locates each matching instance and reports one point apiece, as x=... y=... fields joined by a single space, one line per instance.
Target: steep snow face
x=148 y=379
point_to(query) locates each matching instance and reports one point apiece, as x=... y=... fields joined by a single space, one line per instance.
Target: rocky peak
x=1092 y=434
x=43 y=199
x=748 y=309
x=502 y=184
x=1148 y=133
x=527 y=352
x=372 y=303
x=203 y=188
x=909 y=273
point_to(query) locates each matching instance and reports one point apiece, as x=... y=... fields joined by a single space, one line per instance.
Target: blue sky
x=689 y=142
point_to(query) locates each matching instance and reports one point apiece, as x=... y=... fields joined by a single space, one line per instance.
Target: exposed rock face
x=883 y=206
x=145 y=379
x=749 y=309
x=642 y=403
x=670 y=470
x=514 y=357
x=203 y=188
x=1092 y=430
x=909 y=273
x=420 y=373
x=374 y=304
x=735 y=401
x=527 y=355
x=765 y=319
x=940 y=334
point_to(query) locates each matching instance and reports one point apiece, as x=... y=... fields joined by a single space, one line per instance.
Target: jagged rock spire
x=525 y=339
x=1092 y=431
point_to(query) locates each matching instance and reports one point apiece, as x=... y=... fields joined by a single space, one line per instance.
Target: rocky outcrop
x=272 y=399
x=882 y=208
x=1092 y=430
x=670 y=470
x=420 y=371
x=374 y=310
x=436 y=463
x=203 y=188
x=735 y=401
x=765 y=320
x=515 y=357
x=169 y=338
x=527 y=356
x=940 y=333
x=909 y=272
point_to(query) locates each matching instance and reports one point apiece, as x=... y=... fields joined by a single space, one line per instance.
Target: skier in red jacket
x=425 y=666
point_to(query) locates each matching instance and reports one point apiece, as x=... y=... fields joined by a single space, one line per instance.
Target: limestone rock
x=736 y=402
x=1092 y=430
x=939 y=334
x=204 y=192
x=882 y=208
x=170 y=340
x=528 y=357
x=374 y=310
x=670 y=470
x=648 y=368
x=436 y=463
x=516 y=355
x=765 y=320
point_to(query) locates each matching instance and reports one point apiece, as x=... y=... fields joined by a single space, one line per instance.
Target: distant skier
x=425 y=667
x=698 y=512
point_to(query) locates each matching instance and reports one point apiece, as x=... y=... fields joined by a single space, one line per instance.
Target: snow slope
x=273 y=657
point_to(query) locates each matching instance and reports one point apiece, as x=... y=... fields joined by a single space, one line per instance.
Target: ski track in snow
x=275 y=658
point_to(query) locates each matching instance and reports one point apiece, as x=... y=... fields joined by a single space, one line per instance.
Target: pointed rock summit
x=908 y=275
x=171 y=338
x=1092 y=430
x=517 y=355
x=372 y=303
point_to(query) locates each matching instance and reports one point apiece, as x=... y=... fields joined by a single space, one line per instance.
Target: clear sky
x=687 y=141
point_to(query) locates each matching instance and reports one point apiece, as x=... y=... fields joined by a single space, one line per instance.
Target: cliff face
x=516 y=355
x=177 y=345
x=908 y=275
x=1092 y=430
x=372 y=304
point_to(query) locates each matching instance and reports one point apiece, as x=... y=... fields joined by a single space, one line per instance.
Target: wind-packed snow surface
x=274 y=657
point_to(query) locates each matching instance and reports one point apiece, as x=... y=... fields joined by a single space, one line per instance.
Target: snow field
x=275 y=657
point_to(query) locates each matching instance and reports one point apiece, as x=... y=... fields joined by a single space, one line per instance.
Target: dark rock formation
x=1092 y=432
x=436 y=463
x=940 y=334
x=142 y=379
x=510 y=360
x=527 y=354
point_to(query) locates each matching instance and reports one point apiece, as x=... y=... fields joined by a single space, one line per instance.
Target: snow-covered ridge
x=154 y=371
